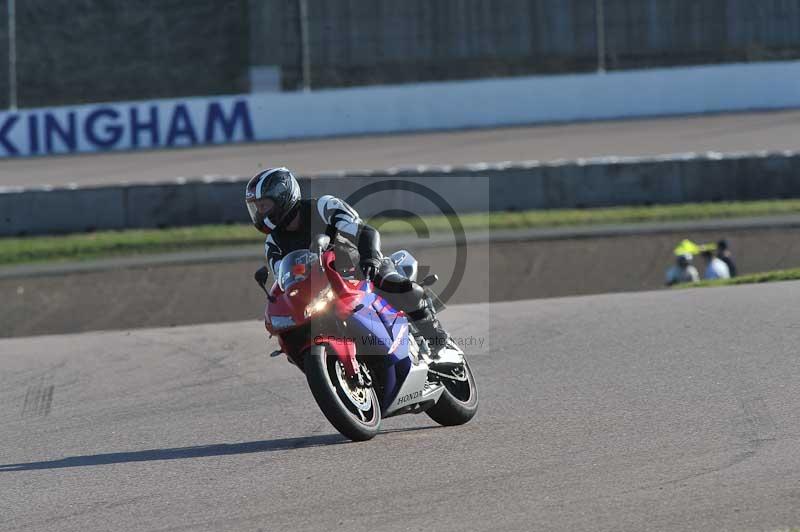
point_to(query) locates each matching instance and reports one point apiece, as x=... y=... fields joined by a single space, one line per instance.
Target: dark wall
x=356 y=42
x=645 y=33
x=95 y=50
x=3 y=57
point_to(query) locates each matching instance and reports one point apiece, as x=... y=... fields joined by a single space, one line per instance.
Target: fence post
x=600 y=21
x=305 y=45
x=12 y=55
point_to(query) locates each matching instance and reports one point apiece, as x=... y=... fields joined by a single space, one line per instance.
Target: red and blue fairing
x=383 y=330
x=374 y=327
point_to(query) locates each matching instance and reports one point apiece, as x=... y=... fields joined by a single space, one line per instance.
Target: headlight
x=281 y=322
x=319 y=303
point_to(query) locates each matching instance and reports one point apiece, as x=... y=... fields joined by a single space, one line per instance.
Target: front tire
x=459 y=401
x=354 y=411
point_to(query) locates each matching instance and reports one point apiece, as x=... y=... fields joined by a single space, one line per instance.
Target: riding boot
x=430 y=329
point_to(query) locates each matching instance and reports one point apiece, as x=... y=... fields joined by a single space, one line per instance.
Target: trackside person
x=724 y=254
x=715 y=268
x=683 y=271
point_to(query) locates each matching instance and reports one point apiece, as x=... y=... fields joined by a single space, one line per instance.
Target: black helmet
x=272 y=197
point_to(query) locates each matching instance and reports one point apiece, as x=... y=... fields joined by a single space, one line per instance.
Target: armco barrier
x=474 y=188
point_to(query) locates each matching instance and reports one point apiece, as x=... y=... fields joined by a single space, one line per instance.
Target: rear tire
x=458 y=403
x=353 y=411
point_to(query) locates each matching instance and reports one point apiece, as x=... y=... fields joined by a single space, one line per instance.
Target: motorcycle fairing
x=374 y=327
x=345 y=351
x=382 y=327
x=415 y=389
x=291 y=304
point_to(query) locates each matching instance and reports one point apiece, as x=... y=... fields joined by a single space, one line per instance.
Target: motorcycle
x=363 y=360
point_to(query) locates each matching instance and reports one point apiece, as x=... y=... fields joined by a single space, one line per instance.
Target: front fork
x=344 y=349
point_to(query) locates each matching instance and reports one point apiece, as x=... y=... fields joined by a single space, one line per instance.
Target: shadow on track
x=199 y=451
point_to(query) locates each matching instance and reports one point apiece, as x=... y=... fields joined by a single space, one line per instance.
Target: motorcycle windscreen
x=295 y=268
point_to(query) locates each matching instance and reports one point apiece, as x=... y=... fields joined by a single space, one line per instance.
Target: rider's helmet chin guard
x=272 y=198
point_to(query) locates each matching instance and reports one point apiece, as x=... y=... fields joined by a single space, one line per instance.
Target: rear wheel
x=353 y=410
x=459 y=401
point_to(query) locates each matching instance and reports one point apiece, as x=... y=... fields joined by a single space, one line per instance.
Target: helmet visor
x=253 y=210
x=260 y=210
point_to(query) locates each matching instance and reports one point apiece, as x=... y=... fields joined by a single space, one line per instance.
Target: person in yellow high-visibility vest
x=683 y=271
x=687 y=247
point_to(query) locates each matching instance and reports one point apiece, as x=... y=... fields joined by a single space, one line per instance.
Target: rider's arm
x=338 y=214
x=273 y=255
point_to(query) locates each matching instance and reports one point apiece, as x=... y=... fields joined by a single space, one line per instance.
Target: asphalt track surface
x=674 y=410
x=773 y=131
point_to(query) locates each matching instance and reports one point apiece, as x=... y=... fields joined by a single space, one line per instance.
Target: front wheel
x=353 y=410
x=459 y=401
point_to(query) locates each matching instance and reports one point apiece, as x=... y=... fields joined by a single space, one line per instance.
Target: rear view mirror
x=261 y=276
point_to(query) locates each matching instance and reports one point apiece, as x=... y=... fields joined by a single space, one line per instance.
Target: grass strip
x=102 y=244
x=752 y=278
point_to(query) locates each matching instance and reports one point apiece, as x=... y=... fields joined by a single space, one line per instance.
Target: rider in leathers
x=290 y=223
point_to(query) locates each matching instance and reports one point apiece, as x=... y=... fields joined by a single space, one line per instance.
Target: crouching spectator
x=683 y=271
x=715 y=267
x=725 y=255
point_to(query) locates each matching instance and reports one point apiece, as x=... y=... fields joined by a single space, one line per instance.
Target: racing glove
x=369 y=268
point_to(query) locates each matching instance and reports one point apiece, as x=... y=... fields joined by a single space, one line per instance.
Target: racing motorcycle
x=363 y=360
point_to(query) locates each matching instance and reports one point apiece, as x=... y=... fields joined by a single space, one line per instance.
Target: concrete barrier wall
x=390 y=41
x=391 y=109
x=475 y=188
x=115 y=50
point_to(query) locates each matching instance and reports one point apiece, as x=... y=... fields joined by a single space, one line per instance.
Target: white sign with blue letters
x=125 y=126
x=390 y=109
